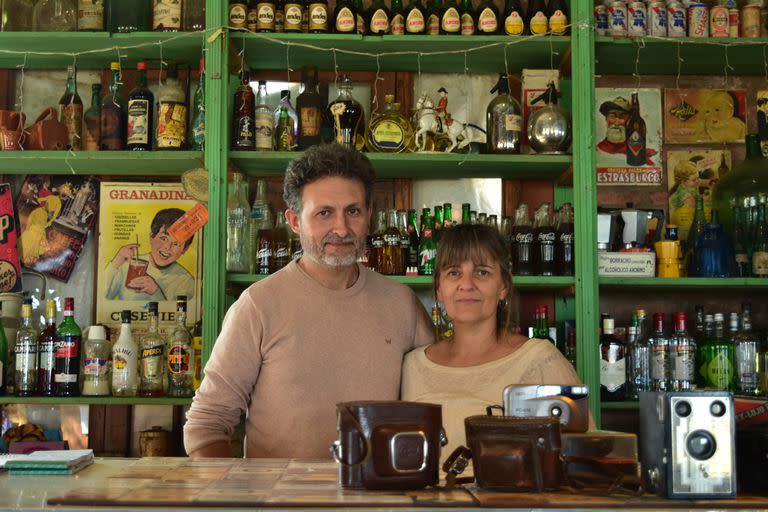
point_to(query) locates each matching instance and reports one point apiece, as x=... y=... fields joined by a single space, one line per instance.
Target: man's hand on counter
x=218 y=449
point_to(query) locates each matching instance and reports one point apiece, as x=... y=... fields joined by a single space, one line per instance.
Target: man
x=320 y=331
x=442 y=110
x=616 y=114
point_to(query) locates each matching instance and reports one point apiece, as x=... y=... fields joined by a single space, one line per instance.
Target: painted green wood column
x=216 y=91
x=585 y=201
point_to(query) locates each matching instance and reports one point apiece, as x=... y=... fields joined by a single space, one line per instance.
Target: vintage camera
x=568 y=403
x=687 y=448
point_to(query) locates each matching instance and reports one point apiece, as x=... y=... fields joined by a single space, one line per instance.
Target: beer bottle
x=564 y=247
x=427 y=248
x=265 y=15
x=437 y=234
x=378 y=16
x=465 y=213
x=141 y=106
x=415 y=21
x=558 y=17
x=238 y=14
x=450 y=19
x=487 y=21
x=391 y=259
x=305 y=17
x=251 y=16
x=467 y=17
x=284 y=130
x=151 y=357
x=405 y=239
x=280 y=16
x=514 y=19
x=92 y=120
x=67 y=360
x=522 y=242
x=538 y=19
x=413 y=236
x=613 y=365
x=309 y=107
x=544 y=242
x=433 y=18
x=318 y=16
x=636 y=135
x=281 y=254
x=360 y=16
x=45 y=351
x=113 y=114
x=447 y=215
x=294 y=12
x=71 y=108
x=344 y=17
x=397 y=25
x=243 y=132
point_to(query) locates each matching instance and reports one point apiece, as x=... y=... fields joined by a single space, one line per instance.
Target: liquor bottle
x=413 y=240
x=5 y=369
x=281 y=252
x=151 y=356
x=345 y=17
x=263 y=120
x=415 y=21
x=716 y=358
x=760 y=244
x=55 y=16
x=437 y=322
x=439 y=219
x=291 y=124
x=238 y=246
x=125 y=360
x=346 y=117
x=318 y=16
x=197 y=347
x=682 y=356
x=636 y=135
x=389 y=131
x=92 y=120
x=243 y=133
x=522 y=245
x=18 y=16
x=447 y=215
x=433 y=18
x=45 y=351
x=639 y=372
x=123 y=16
x=749 y=360
x=397 y=23
x=96 y=358
x=171 y=112
x=265 y=15
x=427 y=248
x=280 y=16
x=238 y=14
x=285 y=129
x=697 y=227
x=90 y=15
x=377 y=20
x=450 y=19
x=197 y=125
x=465 y=213
x=514 y=18
x=565 y=251
x=740 y=242
x=179 y=355
x=71 y=108
x=194 y=15
x=541 y=324
x=467 y=18
x=25 y=350
x=503 y=120
x=141 y=105
x=166 y=15
x=391 y=258
x=658 y=347
x=405 y=239
x=558 y=17
x=113 y=114
x=538 y=18
x=67 y=353
x=309 y=107
x=294 y=12
x=487 y=20
x=360 y=16
x=544 y=242
x=613 y=371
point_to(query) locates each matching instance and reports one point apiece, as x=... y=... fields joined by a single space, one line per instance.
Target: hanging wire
x=21 y=98
x=641 y=45
x=375 y=101
x=679 y=66
x=335 y=71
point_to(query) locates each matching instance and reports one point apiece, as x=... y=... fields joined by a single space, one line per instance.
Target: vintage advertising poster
x=692 y=174
x=56 y=213
x=10 y=267
x=762 y=120
x=693 y=116
x=139 y=261
x=629 y=139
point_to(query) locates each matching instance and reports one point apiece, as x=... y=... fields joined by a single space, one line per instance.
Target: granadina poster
x=138 y=261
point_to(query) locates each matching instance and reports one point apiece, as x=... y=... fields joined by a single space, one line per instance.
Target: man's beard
x=616 y=134
x=316 y=252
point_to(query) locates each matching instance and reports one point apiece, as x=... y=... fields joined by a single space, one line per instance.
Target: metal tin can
x=734 y=21
x=750 y=20
x=698 y=20
x=676 y=21
x=636 y=19
x=617 y=19
x=718 y=21
x=601 y=20
x=657 y=19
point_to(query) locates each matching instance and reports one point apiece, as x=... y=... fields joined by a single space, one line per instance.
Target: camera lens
x=683 y=409
x=717 y=408
x=700 y=445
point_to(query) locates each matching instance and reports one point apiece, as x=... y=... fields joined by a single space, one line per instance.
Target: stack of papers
x=47 y=462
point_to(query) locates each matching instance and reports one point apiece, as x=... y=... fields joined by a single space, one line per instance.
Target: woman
x=468 y=371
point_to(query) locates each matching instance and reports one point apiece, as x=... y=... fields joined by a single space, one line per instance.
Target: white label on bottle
x=237 y=16
x=683 y=368
x=65 y=378
x=26 y=359
x=487 y=22
x=467 y=24
x=451 y=22
x=167 y=14
x=379 y=22
x=265 y=16
x=171 y=125
x=514 y=25
x=293 y=14
x=138 y=122
x=513 y=122
x=345 y=21
x=659 y=363
x=90 y=15
x=398 y=25
x=264 y=131
x=613 y=375
x=415 y=22
x=318 y=17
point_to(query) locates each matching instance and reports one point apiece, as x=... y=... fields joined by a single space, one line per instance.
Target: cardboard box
x=626 y=264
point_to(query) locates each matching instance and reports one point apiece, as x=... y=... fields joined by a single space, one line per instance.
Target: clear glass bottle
x=67 y=360
x=171 y=112
x=281 y=253
x=522 y=242
x=290 y=142
x=45 y=351
x=346 y=117
x=261 y=219
x=92 y=121
x=544 y=241
x=197 y=125
x=17 y=15
x=96 y=367
x=503 y=120
x=180 y=357
x=565 y=250
x=658 y=348
x=263 y=120
x=113 y=120
x=238 y=236
x=90 y=15
x=25 y=350
x=613 y=365
x=749 y=360
x=682 y=356
x=125 y=360
x=193 y=15
x=152 y=356
x=55 y=16
x=639 y=370
x=389 y=131
x=71 y=110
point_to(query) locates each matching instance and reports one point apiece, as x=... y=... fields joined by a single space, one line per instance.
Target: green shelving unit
x=92 y=400
x=118 y=163
x=683 y=283
x=620 y=405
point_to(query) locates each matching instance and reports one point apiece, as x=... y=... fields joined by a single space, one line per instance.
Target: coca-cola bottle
x=544 y=242
x=564 y=249
x=522 y=242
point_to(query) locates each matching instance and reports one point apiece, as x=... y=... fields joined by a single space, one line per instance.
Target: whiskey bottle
x=389 y=131
x=467 y=17
x=171 y=112
x=113 y=114
x=90 y=15
x=397 y=25
x=378 y=18
x=243 y=134
x=141 y=106
x=514 y=19
x=538 y=19
x=263 y=120
x=450 y=19
x=71 y=107
x=415 y=21
x=487 y=18
x=346 y=117
x=92 y=120
x=433 y=18
x=503 y=120
x=166 y=15
x=318 y=16
x=309 y=107
x=344 y=17
x=636 y=135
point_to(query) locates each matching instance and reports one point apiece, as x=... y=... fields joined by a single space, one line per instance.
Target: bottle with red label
x=344 y=17
x=450 y=18
x=179 y=354
x=558 y=18
x=433 y=18
x=636 y=135
x=514 y=18
x=67 y=353
x=538 y=18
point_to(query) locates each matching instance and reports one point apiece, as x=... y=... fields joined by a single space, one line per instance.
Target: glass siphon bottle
x=113 y=123
x=196 y=135
x=415 y=20
x=166 y=15
x=96 y=357
x=55 y=16
x=171 y=112
x=67 y=353
x=613 y=373
x=346 y=117
x=124 y=16
x=309 y=107
x=45 y=351
x=179 y=354
x=243 y=133
x=25 y=350
x=71 y=109
x=141 y=113
x=90 y=15
x=514 y=18
x=344 y=17
x=151 y=356
x=125 y=359
x=238 y=213
x=92 y=121
x=389 y=131
x=503 y=120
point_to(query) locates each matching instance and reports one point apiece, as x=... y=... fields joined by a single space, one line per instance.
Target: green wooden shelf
x=95 y=50
x=92 y=400
x=683 y=282
x=620 y=405
x=659 y=56
x=123 y=163
x=425 y=165
x=430 y=54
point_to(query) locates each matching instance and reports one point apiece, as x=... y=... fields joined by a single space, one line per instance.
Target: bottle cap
x=125 y=316
x=141 y=66
x=115 y=66
x=719 y=317
x=97 y=332
x=69 y=303
x=152 y=307
x=27 y=301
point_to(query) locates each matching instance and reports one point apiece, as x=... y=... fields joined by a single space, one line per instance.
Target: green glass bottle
x=360 y=14
x=438 y=219
x=92 y=121
x=413 y=238
x=67 y=359
x=427 y=248
x=433 y=18
x=197 y=126
x=467 y=18
x=397 y=21
x=465 y=218
x=716 y=358
x=541 y=324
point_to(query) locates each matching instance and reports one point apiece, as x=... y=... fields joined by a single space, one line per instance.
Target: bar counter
x=240 y=484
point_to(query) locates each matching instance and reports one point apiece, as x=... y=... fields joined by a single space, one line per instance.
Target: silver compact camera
x=570 y=404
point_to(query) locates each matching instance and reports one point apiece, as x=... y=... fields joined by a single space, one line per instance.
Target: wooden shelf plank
x=92 y=400
x=123 y=163
x=683 y=282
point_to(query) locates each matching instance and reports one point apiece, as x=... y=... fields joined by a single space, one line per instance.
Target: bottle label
x=138 y=122
x=388 y=134
x=310 y=121
x=72 y=117
x=318 y=17
x=467 y=24
x=244 y=135
x=398 y=25
x=171 y=125
x=151 y=362
x=345 y=21
x=415 y=22
x=26 y=357
x=720 y=371
x=513 y=122
x=613 y=375
x=760 y=264
x=67 y=347
x=379 y=22
x=252 y=19
x=92 y=132
x=684 y=366
x=451 y=21
x=90 y=15
x=197 y=128
x=433 y=25
x=264 y=131
x=178 y=359
x=293 y=15
x=45 y=355
x=167 y=15
x=238 y=17
x=514 y=24
x=557 y=22
x=487 y=22
x=539 y=23
x=659 y=363
x=95 y=367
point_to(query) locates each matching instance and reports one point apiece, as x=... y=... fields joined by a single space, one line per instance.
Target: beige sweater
x=467 y=391
x=290 y=349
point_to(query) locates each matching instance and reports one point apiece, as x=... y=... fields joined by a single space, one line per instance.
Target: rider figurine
x=442 y=105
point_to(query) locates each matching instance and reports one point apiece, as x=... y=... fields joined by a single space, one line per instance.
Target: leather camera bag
x=11 y=130
x=47 y=132
x=388 y=444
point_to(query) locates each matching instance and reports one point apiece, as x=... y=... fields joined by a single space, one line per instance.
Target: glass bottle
x=377 y=18
x=280 y=16
x=281 y=253
x=544 y=241
x=639 y=358
x=405 y=240
x=465 y=213
x=415 y=20
x=96 y=367
x=716 y=358
x=309 y=107
x=433 y=18
x=749 y=364
x=467 y=18
x=294 y=12
x=263 y=231
x=5 y=369
x=447 y=215
x=760 y=244
x=682 y=356
x=613 y=371
x=141 y=106
x=45 y=352
x=291 y=124
x=55 y=16
x=305 y=17
x=376 y=257
x=92 y=120
x=196 y=135
x=171 y=112
x=318 y=17
x=558 y=17
x=565 y=251
x=151 y=356
x=538 y=18
x=265 y=16
x=503 y=120
x=636 y=135
x=391 y=258
x=541 y=324
x=437 y=233
x=238 y=246
x=450 y=19
x=360 y=16
x=90 y=15
x=740 y=242
x=243 y=133
x=251 y=15
x=397 y=24
x=522 y=242
x=262 y=119
x=237 y=14
x=67 y=358
x=413 y=240
x=284 y=130
x=514 y=18
x=179 y=355
x=389 y=131
x=166 y=15
x=658 y=346
x=25 y=350
x=197 y=348
x=71 y=108
x=113 y=114
x=344 y=17
x=487 y=18
x=193 y=15
x=427 y=248
x=346 y=117
x=697 y=227
x=18 y=15
x=125 y=360
x=124 y=16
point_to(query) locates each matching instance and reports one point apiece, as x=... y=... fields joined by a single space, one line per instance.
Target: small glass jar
x=96 y=370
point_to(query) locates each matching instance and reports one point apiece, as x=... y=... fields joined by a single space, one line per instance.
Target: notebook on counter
x=48 y=462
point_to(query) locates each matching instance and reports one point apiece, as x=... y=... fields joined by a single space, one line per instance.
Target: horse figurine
x=425 y=119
